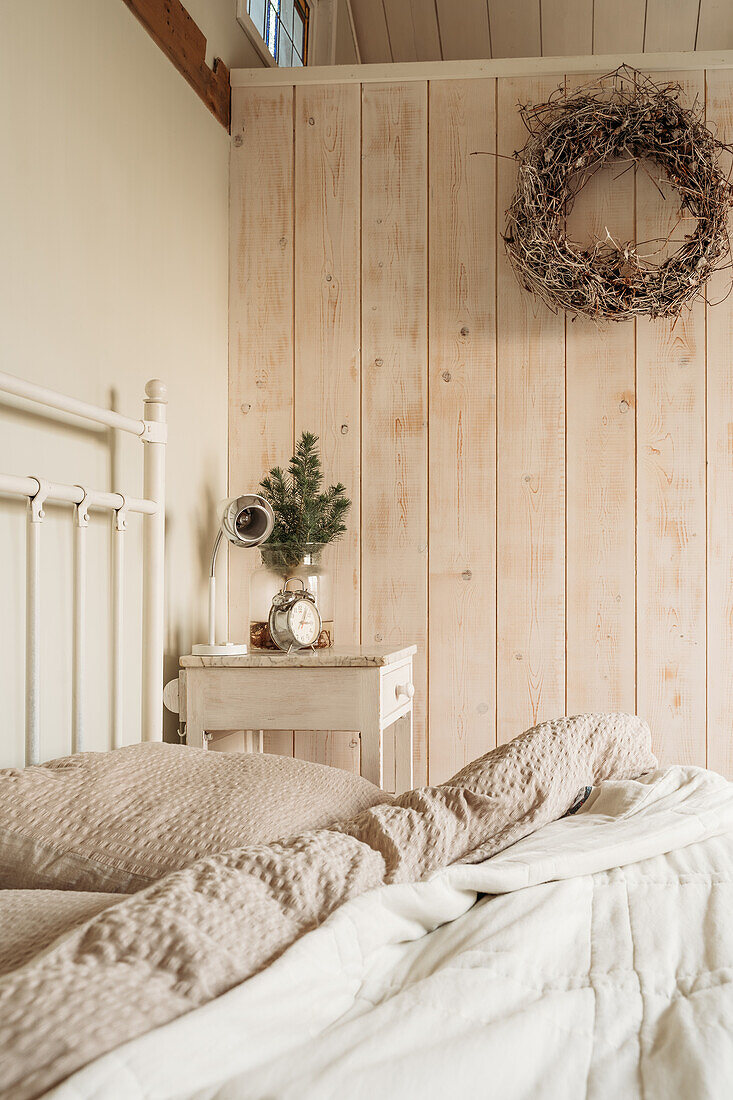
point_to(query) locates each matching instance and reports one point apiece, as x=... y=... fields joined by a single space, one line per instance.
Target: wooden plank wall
x=601 y=477
x=394 y=352
x=545 y=507
x=462 y=421
x=261 y=300
x=670 y=471
x=530 y=584
x=327 y=366
x=719 y=497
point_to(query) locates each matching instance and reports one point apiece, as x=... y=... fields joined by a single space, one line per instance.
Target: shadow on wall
x=205 y=522
x=173 y=649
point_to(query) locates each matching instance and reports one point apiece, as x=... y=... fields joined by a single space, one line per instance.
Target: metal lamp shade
x=247 y=520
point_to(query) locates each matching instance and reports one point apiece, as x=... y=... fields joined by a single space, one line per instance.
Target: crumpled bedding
x=593 y=959
x=31 y=920
x=198 y=932
x=118 y=821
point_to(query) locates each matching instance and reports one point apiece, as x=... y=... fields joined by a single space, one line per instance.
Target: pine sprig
x=304 y=513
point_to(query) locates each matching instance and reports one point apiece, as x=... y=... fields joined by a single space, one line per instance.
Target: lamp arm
x=214 y=552
x=212 y=589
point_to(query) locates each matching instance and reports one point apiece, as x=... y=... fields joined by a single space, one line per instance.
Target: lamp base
x=225 y=649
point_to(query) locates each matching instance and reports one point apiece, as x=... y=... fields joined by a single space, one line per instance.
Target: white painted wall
x=224 y=36
x=113 y=269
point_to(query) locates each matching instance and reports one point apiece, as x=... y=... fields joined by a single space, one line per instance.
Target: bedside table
x=367 y=689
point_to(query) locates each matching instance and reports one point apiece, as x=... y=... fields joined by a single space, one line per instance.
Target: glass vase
x=281 y=565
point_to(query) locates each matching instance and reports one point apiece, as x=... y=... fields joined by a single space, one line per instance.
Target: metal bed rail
x=152 y=430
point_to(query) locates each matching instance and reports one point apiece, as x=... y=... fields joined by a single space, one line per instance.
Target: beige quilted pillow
x=117 y=821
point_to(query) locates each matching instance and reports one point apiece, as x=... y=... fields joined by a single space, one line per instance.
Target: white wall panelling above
x=456 y=30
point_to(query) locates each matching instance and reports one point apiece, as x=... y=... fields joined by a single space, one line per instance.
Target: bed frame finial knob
x=155 y=390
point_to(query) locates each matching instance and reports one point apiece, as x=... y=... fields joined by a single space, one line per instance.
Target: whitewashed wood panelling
x=462 y=421
x=719 y=363
x=327 y=370
x=467 y=38
x=530 y=584
x=715 y=25
x=670 y=408
x=601 y=475
x=543 y=506
x=394 y=333
x=567 y=28
x=261 y=303
x=459 y=30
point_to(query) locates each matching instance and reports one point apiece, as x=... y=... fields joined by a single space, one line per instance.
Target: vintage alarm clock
x=294 y=621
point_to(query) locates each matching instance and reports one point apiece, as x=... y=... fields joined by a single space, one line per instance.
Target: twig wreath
x=622 y=116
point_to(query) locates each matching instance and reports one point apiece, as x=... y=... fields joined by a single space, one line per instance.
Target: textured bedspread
x=601 y=968
x=171 y=948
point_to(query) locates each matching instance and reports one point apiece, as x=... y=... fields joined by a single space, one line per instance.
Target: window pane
x=257 y=14
x=298 y=34
x=286 y=15
x=282 y=24
x=272 y=27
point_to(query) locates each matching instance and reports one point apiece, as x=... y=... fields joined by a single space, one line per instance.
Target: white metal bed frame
x=152 y=430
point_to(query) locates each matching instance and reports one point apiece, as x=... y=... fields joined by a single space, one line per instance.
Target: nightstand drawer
x=397 y=689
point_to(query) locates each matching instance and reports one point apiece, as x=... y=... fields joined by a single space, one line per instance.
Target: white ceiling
x=454 y=30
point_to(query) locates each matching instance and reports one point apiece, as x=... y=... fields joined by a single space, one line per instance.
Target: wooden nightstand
x=367 y=689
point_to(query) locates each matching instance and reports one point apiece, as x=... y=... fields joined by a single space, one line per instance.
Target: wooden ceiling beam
x=184 y=44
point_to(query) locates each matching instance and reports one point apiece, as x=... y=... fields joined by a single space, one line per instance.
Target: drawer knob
x=408 y=690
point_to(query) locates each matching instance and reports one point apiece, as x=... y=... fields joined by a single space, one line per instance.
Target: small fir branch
x=304 y=512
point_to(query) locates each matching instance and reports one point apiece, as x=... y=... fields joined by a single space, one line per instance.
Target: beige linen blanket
x=196 y=933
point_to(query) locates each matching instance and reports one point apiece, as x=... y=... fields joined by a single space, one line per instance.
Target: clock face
x=304 y=622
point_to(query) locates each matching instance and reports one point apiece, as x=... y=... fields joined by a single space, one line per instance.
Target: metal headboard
x=152 y=430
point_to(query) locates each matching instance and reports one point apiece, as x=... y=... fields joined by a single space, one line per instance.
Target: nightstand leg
x=195 y=735
x=388 y=758
x=194 y=712
x=195 y=732
x=372 y=756
x=403 y=753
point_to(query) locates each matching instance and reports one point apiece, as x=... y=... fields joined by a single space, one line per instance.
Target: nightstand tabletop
x=353 y=656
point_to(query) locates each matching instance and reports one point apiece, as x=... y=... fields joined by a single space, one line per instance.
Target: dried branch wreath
x=622 y=116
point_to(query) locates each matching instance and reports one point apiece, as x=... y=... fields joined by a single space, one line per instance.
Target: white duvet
x=601 y=965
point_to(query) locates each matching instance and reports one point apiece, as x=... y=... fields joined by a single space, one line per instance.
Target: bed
x=554 y=921
x=588 y=960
